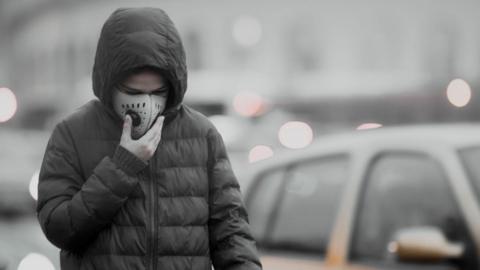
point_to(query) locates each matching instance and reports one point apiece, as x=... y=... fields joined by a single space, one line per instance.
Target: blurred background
x=272 y=75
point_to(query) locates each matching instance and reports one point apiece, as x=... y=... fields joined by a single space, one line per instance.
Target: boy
x=136 y=179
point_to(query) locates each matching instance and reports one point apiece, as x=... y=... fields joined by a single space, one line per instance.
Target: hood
x=137 y=37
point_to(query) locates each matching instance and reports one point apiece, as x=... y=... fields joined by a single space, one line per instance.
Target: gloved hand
x=145 y=146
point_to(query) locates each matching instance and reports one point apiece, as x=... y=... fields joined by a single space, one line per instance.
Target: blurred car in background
x=389 y=198
x=23 y=245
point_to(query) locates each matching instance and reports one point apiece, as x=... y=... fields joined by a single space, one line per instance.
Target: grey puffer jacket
x=107 y=209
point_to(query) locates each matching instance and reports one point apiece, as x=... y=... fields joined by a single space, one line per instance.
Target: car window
x=404 y=190
x=308 y=206
x=261 y=199
x=470 y=158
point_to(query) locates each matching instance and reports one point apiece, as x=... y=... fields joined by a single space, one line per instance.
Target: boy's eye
x=160 y=92
x=132 y=91
x=128 y=90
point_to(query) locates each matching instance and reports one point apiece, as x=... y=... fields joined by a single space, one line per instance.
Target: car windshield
x=470 y=157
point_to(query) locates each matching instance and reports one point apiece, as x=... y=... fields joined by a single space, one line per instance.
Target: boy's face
x=143 y=95
x=147 y=82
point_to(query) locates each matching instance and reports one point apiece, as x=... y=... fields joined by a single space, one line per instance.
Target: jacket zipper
x=154 y=207
x=153 y=217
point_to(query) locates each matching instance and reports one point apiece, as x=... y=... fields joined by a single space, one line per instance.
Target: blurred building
x=328 y=60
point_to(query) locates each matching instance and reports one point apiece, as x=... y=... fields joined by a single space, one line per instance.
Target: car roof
x=457 y=135
x=454 y=135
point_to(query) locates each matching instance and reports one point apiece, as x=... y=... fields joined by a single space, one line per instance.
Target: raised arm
x=72 y=210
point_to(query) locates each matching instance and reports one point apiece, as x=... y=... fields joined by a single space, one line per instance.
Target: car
x=404 y=197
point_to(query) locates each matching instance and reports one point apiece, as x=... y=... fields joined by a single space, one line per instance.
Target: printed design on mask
x=143 y=109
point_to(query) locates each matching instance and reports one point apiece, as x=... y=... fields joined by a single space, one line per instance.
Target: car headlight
x=35 y=261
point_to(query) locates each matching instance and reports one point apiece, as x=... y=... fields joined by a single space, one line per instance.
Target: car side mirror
x=424 y=244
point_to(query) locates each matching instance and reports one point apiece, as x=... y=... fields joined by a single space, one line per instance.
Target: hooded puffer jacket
x=107 y=209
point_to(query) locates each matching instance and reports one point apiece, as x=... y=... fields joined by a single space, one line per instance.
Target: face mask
x=142 y=108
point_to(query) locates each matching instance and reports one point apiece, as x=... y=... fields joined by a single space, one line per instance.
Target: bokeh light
x=249 y=104
x=247 y=31
x=8 y=104
x=295 y=134
x=33 y=186
x=366 y=126
x=459 y=93
x=392 y=247
x=259 y=152
x=35 y=261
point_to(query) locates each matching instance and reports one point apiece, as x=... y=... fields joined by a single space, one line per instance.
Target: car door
x=292 y=210
x=407 y=191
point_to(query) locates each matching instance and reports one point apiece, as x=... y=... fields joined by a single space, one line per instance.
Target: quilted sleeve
x=72 y=210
